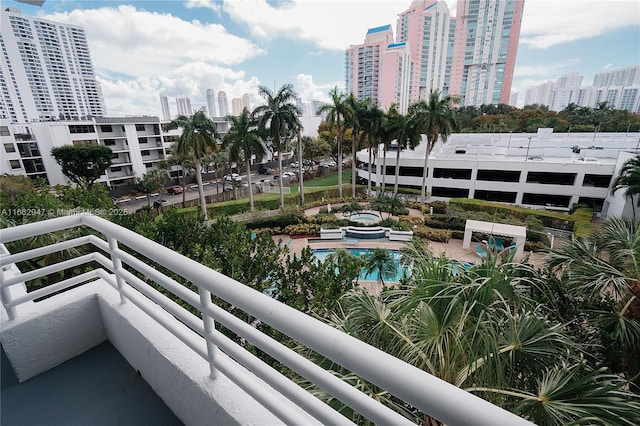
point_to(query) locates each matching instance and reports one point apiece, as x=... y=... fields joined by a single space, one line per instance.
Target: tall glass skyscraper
x=471 y=56
x=485 y=47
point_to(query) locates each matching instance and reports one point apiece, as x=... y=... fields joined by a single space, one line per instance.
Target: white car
x=232 y=177
x=328 y=164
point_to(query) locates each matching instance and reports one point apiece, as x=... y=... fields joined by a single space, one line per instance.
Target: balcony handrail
x=421 y=390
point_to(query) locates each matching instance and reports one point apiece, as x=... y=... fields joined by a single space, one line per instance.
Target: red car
x=175 y=190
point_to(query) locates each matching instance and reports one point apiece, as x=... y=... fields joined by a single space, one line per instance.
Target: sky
x=142 y=48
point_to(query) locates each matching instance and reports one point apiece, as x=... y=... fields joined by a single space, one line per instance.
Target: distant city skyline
x=236 y=46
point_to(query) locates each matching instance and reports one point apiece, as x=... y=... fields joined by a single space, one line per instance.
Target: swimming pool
x=401 y=269
x=457 y=267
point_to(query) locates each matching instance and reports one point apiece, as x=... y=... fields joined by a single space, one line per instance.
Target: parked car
x=175 y=190
x=265 y=171
x=232 y=177
x=165 y=203
x=294 y=165
x=328 y=164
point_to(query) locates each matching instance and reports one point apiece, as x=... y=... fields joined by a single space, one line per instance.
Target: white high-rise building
x=184 y=105
x=628 y=76
x=46 y=70
x=246 y=103
x=566 y=91
x=223 y=105
x=540 y=95
x=619 y=88
x=236 y=106
x=211 y=103
x=164 y=104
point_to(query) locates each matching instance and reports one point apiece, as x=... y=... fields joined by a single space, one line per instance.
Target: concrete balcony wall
x=70 y=323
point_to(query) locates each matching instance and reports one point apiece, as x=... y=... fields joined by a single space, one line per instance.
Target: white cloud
x=137 y=54
x=308 y=90
x=547 y=23
x=207 y=4
x=136 y=42
x=330 y=24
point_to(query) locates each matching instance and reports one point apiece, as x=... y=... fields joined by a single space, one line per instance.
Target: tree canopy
x=83 y=164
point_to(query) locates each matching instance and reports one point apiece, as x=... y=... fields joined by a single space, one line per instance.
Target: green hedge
x=582 y=221
x=431 y=234
x=548 y=219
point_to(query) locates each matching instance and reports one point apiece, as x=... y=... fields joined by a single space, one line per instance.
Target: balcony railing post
x=5 y=294
x=117 y=267
x=209 y=325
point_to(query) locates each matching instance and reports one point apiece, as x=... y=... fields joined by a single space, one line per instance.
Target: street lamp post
x=528 y=146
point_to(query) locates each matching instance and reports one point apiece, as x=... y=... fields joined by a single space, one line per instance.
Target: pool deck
x=452 y=249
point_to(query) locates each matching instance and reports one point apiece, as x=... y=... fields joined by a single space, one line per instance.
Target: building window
x=106 y=128
x=140 y=127
x=142 y=140
x=81 y=128
x=116 y=169
x=464 y=174
x=148 y=165
x=8 y=147
x=4 y=131
x=109 y=142
x=599 y=181
x=15 y=164
x=499 y=175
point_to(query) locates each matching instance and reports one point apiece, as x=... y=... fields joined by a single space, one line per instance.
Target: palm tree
x=436 y=119
x=154 y=180
x=481 y=329
x=277 y=118
x=300 y=165
x=372 y=125
x=199 y=138
x=355 y=120
x=244 y=142
x=380 y=203
x=337 y=111
x=380 y=261
x=402 y=128
x=601 y=273
x=185 y=164
x=629 y=178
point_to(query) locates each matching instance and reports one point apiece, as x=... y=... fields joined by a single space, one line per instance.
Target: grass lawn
x=327 y=181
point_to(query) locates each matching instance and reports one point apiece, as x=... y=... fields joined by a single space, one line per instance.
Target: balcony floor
x=96 y=388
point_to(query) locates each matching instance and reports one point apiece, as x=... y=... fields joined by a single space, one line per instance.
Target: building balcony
x=201 y=375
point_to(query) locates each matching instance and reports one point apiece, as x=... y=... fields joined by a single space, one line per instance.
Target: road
x=210 y=188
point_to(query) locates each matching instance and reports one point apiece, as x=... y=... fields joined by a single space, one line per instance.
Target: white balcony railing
x=417 y=388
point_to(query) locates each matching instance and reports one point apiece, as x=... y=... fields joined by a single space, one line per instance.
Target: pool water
x=457 y=266
x=364 y=217
x=322 y=254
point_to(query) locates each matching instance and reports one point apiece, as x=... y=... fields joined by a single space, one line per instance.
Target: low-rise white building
x=138 y=144
x=539 y=170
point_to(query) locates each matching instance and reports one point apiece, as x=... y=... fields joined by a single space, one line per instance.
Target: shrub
x=438 y=235
x=439 y=207
x=303 y=229
x=394 y=224
x=411 y=220
x=281 y=221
